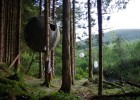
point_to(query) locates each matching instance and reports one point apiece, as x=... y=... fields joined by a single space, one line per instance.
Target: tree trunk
x=90 y=71
x=53 y=11
x=52 y=64
x=74 y=39
x=40 y=65
x=47 y=53
x=18 y=30
x=12 y=22
x=5 y=29
x=52 y=51
x=71 y=51
x=9 y=32
x=40 y=7
x=40 y=53
x=1 y=29
x=99 y=9
x=66 y=67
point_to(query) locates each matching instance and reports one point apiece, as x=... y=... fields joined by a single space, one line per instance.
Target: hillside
x=126 y=34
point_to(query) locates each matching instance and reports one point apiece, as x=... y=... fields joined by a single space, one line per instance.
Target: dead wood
x=115 y=85
x=115 y=96
x=133 y=84
x=15 y=60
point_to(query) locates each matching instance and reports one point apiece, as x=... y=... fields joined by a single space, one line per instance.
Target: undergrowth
x=61 y=96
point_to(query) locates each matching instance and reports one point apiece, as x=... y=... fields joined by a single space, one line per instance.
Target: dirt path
x=82 y=88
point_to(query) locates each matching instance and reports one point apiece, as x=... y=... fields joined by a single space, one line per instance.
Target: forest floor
x=82 y=88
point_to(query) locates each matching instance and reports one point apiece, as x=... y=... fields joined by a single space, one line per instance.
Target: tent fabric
x=35 y=37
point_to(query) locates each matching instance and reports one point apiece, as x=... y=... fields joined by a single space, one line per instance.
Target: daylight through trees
x=59 y=49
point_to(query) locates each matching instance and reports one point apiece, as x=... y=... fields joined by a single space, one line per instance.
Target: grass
x=82 y=88
x=31 y=87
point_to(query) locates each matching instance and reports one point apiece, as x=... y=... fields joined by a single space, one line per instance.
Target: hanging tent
x=35 y=37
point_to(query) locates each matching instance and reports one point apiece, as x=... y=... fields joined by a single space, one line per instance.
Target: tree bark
x=1 y=30
x=40 y=7
x=40 y=53
x=90 y=71
x=52 y=64
x=52 y=51
x=9 y=32
x=5 y=29
x=66 y=67
x=18 y=30
x=47 y=35
x=40 y=65
x=74 y=39
x=99 y=9
x=71 y=48
x=53 y=11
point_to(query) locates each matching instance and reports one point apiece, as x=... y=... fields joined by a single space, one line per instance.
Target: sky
x=128 y=18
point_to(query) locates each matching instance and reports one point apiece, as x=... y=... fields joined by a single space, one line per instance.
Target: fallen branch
x=113 y=84
x=117 y=95
x=15 y=60
x=133 y=84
